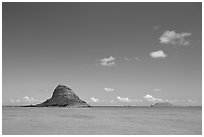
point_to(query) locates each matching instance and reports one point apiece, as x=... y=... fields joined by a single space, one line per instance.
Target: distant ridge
x=162 y=104
x=62 y=96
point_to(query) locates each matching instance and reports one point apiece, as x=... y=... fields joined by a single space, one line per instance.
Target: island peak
x=63 y=96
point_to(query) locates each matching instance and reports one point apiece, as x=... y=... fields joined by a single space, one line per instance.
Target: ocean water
x=102 y=121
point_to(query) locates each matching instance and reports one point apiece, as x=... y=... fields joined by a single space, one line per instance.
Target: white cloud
x=152 y=99
x=123 y=99
x=27 y=99
x=94 y=99
x=158 y=54
x=109 y=89
x=24 y=100
x=109 y=61
x=171 y=37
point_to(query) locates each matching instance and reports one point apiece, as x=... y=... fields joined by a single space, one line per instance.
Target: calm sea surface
x=102 y=120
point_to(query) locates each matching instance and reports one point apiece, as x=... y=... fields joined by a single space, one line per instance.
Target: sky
x=107 y=53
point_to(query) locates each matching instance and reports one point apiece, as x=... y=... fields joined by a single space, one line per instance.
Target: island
x=162 y=104
x=62 y=97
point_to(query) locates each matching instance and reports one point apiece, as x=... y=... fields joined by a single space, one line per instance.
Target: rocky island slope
x=63 y=97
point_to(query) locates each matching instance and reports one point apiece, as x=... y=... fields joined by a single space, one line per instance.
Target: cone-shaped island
x=63 y=97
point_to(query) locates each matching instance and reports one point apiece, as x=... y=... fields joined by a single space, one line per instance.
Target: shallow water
x=102 y=120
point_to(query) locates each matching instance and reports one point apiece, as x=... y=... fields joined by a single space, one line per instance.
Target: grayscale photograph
x=101 y=68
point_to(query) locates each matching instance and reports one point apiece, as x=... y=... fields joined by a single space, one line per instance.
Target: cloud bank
x=25 y=99
x=171 y=37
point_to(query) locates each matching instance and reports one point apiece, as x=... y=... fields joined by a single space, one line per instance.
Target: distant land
x=111 y=106
x=162 y=104
x=62 y=97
